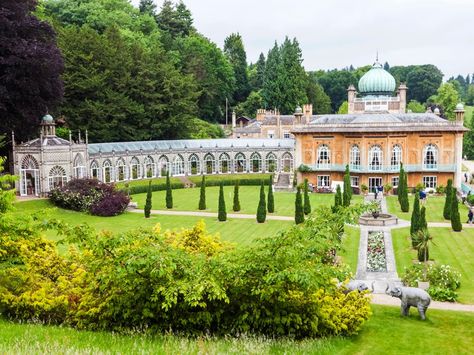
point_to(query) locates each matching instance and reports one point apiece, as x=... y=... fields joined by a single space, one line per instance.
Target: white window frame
x=430 y=161
x=430 y=181
x=393 y=179
x=355 y=180
x=324 y=181
x=354 y=158
x=396 y=157
x=375 y=155
x=323 y=157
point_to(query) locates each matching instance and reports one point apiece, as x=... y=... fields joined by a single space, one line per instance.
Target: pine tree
x=455 y=218
x=147 y=209
x=236 y=205
x=338 y=198
x=235 y=53
x=415 y=220
x=271 y=202
x=202 y=196
x=307 y=203
x=347 y=195
x=222 y=214
x=423 y=224
x=148 y=7
x=262 y=208
x=169 y=192
x=447 y=201
x=299 y=214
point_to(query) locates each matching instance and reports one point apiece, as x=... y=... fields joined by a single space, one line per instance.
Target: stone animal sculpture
x=411 y=297
x=356 y=285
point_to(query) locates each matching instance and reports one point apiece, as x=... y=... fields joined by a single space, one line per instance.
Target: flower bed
x=376 y=261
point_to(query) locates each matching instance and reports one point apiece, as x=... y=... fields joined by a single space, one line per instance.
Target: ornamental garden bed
x=376 y=259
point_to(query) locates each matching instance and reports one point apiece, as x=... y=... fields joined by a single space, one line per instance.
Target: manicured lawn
x=434 y=208
x=188 y=199
x=198 y=178
x=350 y=252
x=239 y=231
x=444 y=332
x=452 y=248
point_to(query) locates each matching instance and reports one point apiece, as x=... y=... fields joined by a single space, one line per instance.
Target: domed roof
x=460 y=106
x=298 y=109
x=377 y=81
x=48 y=118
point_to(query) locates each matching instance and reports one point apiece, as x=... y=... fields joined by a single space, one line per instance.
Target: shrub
x=262 y=207
x=347 y=193
x=202 y=194
x=304 y=168
x=364 y=188
x=109 y=205
x=299 y=213
x=415 y=219
x=470 y=199
x=419 y=187
x=306 y=201
x=271 y=200
x=222 y=214
x=440 y=189
x=447 y=201
x=147 y=208
x=236 y=204
x=387 y=188
x=169 y=192
x=455 y=218
x=251 y=181
x=337 y=198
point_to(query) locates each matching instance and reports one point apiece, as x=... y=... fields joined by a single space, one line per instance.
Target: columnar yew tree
x=338 y=197
x=447 y=201
x=262 y=208
x=455 y=218
x=271 y=201
x=222 y=214
x=236 y=205
x=299 y=214
x=415 y=219
x=402 y=190
x=347 y=195
x=169 y=193
x=147 y=209
x=202 y=196
x=306 y=202
x=400 y=184
x=423 y=224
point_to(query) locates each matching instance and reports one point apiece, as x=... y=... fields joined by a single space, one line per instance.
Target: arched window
x=396 y=157
x=149 y=165
x=134 y=168
x=57 y=177
x=287 y=162
x=256 y=162
x=163 y=163
x=430 y=157
x=354 y=159
x=29 y=176
x=240 y=163
x=120 y=170
x=323 y=156
x=194 y=165
x=29 y=163
x=224 y=163
x=210 y=163
x=108 y=171
x=271 y=162
x=95 y=170
x=79 y=168
x=177 y=166
x=375 y=158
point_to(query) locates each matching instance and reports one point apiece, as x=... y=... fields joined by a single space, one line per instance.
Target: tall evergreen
x=400 y=184
x=403 y=190
x=338 y=197
x=222 y=214
x=455 y=218
x=307 y=203
x=423 y=224
x=260 y=68
x=415 y=219
x=235 y=53
x=347 y=195
x=202 y=196
x=299 y=213
x=148 y=7
x=236 y=205
x=169 y=193
x=147 y=209
x=262 y=208
x=448 y=199
x=271 y=202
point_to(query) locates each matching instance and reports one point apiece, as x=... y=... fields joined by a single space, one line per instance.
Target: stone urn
x=375 y=214
x=424 y=285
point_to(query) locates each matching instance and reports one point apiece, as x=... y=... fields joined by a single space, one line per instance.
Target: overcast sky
x=337 y=33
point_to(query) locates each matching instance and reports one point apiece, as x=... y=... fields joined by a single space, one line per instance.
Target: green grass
x=239 y=231
x=434 y=208
x=451 y=248
x=188 y=199
x=350 y=252
x=444 y=332
x=198 y=178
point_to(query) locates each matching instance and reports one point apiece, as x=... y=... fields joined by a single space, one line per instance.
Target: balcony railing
x=439 y=168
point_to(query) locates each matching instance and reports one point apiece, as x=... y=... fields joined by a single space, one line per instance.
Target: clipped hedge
x=231 y=182
x=140 y=189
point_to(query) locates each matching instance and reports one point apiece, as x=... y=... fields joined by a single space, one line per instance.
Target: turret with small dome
x=377 y=82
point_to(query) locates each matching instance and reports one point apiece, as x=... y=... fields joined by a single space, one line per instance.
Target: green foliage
x=271 y=200
x=222 y=213
x=202 y=194
x=306 y=201
x=448 y=200
x=235 y=53
x=317 y=97
x=343 y=108
x=250 y=106
x=169 y=192
x=402 y=190
x=416 y=107
x=347 y=195
x=444 y=280
x=200 y=129
x=415 y=225
x=423 y=223
x=447 y=97
x=7 y=188
x=230 y=181
x=147 y=208
x=338 y=198
x=299 y=213
x=262 y=206
x=455 y=218
x=335 y=84
x=236 y=204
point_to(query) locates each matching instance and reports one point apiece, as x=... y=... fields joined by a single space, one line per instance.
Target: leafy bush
x=90 y=195
x=444 y=280
x=231 y=182
x=440 y=189
x=304 y=168
x=470 y=199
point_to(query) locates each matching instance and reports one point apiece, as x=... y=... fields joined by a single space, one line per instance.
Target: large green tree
x=447 y=97
x=317 y=97
x=257 y=73
x=174 y=21
x=250 y=106
x=235 y=53
x=335 y=84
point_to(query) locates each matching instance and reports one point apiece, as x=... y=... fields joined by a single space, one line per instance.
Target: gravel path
x=380 y=298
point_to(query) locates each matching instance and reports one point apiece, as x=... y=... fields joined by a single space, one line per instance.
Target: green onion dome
x=48 y=118
x=377 y=81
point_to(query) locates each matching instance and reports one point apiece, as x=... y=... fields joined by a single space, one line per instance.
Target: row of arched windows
x=375 y=160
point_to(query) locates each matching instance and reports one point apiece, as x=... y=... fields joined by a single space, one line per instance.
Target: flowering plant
x=376 y=260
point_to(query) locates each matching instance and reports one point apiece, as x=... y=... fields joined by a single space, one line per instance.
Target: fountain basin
x=382 y=220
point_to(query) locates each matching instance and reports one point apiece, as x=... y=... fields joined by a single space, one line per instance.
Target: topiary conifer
x=202 y=195
x=415 y=220
x=262 y=208
x=306 y=201
x=271 y=201
x=447 y=201
x=147 y=209
x=236 y=204
x=404 y=203
x=299 y=213
x=222 y=214
x=338 y=197
x=169 y=192
x=347 y=195
x=455 y=218
x=423 y=224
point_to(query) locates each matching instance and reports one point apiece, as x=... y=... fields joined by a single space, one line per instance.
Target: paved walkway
x=383 y=299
